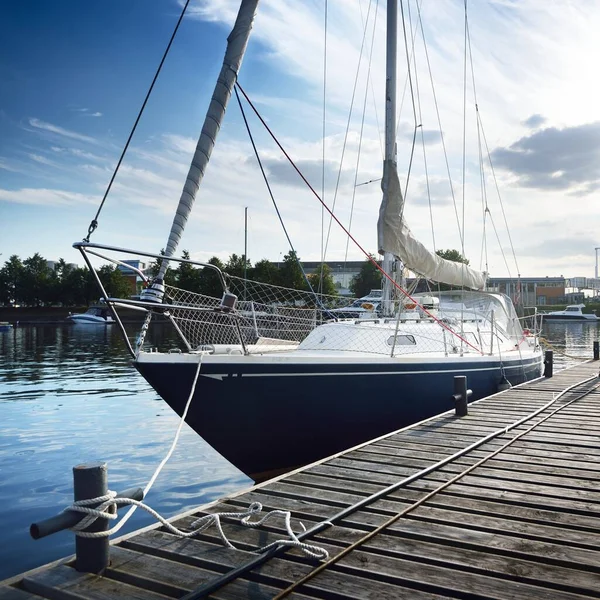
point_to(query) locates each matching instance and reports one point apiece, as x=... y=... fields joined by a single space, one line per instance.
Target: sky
x=73 y=76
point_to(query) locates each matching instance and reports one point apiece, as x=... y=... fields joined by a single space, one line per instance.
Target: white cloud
x=42 y=160
x=38 y=124
x=45 y=197
x=7 y=167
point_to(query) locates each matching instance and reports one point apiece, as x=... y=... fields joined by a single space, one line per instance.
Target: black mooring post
x=548 y=363
x=461 y=395
x=90 y=481
x=596 y=350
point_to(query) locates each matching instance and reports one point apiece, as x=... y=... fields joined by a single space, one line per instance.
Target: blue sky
x=73 y=75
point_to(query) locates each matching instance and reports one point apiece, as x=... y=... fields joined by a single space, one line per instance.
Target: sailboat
x=271 y=379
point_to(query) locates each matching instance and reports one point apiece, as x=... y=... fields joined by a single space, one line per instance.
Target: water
x=69 y=395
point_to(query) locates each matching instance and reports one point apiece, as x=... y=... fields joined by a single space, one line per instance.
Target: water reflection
x=68 y=395
x=570 y=341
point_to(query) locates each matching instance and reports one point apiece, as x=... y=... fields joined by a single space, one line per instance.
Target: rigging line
x=94 y=223
x=317 y=299
x=485 y=210
x=323 y=148
x=370 y=85
x=437 y=111
x=482 y=129
x=499 y=244
x=419 y=109
x=412 y=50
x=464 y=156
x=412 y=97
x=362 y=126
x=498 y=191
x=358 y=245
x=439 y=287
x=339 y=175
x=484 y=197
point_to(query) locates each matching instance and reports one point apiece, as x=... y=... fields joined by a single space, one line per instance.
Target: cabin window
x=402 y=340
x=572 y=309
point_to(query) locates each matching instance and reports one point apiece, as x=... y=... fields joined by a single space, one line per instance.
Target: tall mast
x=390 y=132
x=236 y=46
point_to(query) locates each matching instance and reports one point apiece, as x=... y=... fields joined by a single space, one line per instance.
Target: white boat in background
x=573 y=312
x=273 y=381
x=95 y=315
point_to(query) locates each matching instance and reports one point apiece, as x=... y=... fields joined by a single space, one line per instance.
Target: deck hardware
x=596 y=350
x=89 y=481
x=461 y=396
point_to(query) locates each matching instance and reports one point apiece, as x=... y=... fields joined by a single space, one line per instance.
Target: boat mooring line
x=101 y=510
x=226 y=578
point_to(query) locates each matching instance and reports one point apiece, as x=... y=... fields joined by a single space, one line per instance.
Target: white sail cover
x=394 y=236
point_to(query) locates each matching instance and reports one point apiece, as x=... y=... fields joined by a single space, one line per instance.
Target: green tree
x=291 y=273
x=78 y=287
x=114 y=282
x=58 y=276
x=368 y=278
x=324 y=285
x=235 y=265
x=37 y=281
x=266 y=272
x=11 y=281
x=187 y=276
x=209 y=282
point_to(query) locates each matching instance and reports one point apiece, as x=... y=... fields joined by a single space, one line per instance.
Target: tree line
x=32 y=282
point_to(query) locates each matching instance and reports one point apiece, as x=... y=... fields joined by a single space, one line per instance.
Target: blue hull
x=266 y=422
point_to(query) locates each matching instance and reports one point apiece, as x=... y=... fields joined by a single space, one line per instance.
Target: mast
x=236 y=46
x=394 y=238
x=389 y=162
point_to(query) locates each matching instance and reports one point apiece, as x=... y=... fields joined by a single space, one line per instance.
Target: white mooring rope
x=104 y=504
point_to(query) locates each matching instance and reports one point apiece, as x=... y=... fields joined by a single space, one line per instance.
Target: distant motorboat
x=573 y=312
x=5 y=326
x=95 y=315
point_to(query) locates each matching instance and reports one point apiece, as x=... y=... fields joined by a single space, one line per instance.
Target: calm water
x=68 y=395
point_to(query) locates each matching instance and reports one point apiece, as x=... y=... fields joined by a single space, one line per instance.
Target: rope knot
x=95 y=508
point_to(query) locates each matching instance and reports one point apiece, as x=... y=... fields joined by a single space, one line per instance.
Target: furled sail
x=236 y=46
x=393 y=235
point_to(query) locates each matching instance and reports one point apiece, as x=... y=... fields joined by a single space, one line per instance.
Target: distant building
x=131 y=275
x=52 y=265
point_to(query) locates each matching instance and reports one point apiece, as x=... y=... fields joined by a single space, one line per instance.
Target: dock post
x=461 y=395
x=90 y=481
x=596 y=350
x=548 y=363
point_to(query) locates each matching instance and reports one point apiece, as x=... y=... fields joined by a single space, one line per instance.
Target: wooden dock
x=469 y=507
